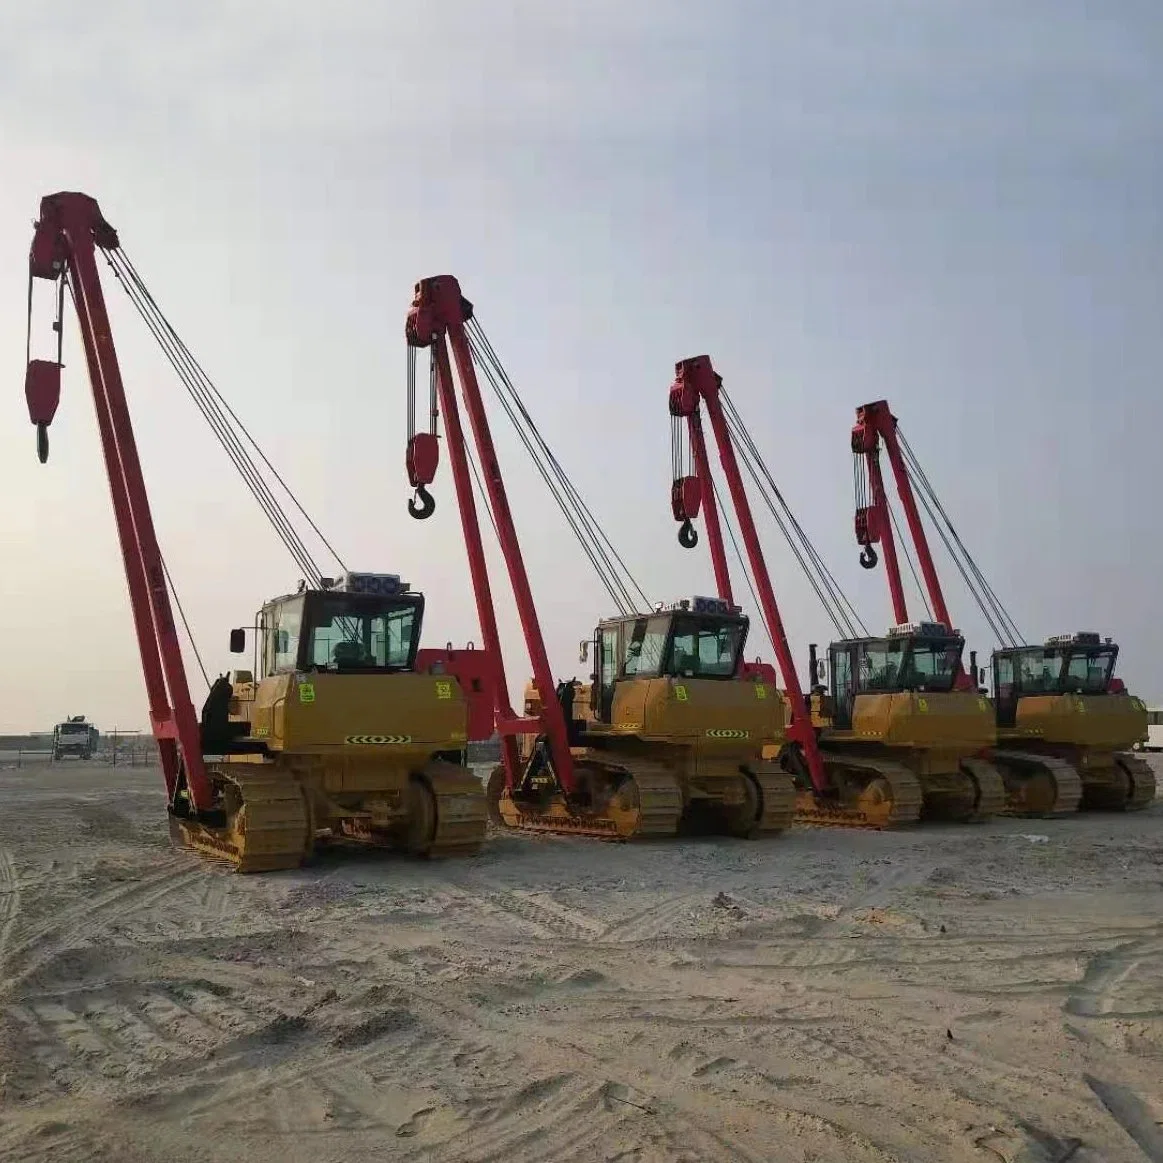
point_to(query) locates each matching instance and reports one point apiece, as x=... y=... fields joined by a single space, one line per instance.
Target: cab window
x=364 y=632
x=1089 y=671
x=286 y=621
x=879 y=664
x=1003 y=676
x=645 y=642
x=1038 y=671
x=705 y=649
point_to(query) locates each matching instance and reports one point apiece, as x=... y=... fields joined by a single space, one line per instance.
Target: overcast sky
x=952 y=204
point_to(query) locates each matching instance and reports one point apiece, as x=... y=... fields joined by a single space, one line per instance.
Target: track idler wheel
x=1038 y=795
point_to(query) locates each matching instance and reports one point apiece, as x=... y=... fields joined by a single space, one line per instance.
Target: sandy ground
x=974 y=993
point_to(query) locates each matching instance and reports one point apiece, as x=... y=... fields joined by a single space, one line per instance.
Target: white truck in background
x=74 y=737
x=1154 y=729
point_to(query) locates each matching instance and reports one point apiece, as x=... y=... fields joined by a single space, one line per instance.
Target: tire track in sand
x=9 y=903
x=1110 y=972
x=67 y=928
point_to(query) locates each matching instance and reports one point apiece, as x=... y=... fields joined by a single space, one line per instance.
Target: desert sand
x=988 y=992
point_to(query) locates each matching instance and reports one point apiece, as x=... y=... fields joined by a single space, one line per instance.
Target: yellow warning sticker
x=727 y=733
x=680 y=693
x=306 y=692
x=376 y=740
x=444 y=690
x=982 y=705
x=760 y=691
x=922 y=705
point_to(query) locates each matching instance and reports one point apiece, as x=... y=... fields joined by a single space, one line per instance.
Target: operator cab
x=916 y=656
x=1080 y=664
x=365 y=623
x=696 y=638
x=360 y=623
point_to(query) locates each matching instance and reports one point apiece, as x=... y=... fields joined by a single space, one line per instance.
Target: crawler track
x=873 y=793
x=990 y=788
x=270 y=827
x=461 y=810
x=636 y=798
x=1142 y=782
x=1038 y=785
x=268 y=821
x=777 y=794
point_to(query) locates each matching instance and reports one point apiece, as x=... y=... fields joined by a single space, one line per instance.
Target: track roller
x=1038 y=785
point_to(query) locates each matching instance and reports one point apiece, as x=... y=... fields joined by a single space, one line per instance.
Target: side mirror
x=821 y=671
x=583 y=650
x=237 y=641
x=981 y=676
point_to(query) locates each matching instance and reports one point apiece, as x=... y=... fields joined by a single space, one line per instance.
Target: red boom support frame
x=68 y=234
x=696 y=381
x=437 y=319
x=874 y=423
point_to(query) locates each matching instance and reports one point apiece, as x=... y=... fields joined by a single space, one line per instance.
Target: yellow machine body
x=1064 y=727
x=899 y=739
x=1112 y=722
x=365 y=750
x=679 y=748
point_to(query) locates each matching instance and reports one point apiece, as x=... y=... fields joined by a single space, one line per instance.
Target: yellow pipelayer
x=341 y=737
x=666 y=737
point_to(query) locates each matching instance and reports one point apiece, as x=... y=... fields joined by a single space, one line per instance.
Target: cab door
x=842 y=660
x=606 y=672
x=1006 y=689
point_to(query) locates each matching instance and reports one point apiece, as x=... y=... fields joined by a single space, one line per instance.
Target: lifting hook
x=42 y=442
x=421 y=506
x=687 y=537
x=868 y=558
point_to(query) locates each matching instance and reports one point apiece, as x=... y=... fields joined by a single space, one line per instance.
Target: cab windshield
x=900 y=664
x=347 y=631
x=683 y=646
x=1088 y=672
x=705 y=647
x=1038 y=671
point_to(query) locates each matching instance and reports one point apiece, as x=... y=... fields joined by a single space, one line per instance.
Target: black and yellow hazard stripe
x=376 y=740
